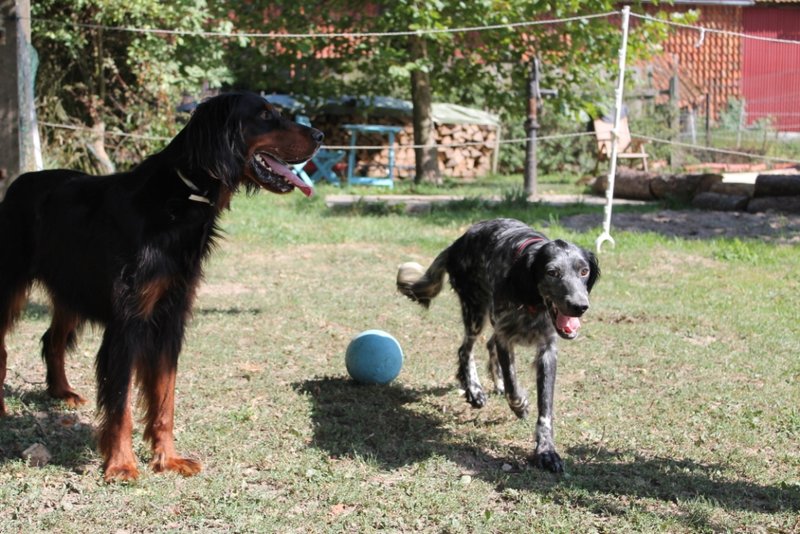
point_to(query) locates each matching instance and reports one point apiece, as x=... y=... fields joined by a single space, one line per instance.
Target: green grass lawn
x=676 y=409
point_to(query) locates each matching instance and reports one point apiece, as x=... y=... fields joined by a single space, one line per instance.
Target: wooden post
x=535 y=96
x=740 y=125
x=18 y=135
x=9 y=98
x=708 y=119
x=497 y=145
x=675 y=113
x=531 y=129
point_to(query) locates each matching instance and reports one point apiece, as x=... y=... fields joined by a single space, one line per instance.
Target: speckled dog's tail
x=420 y=285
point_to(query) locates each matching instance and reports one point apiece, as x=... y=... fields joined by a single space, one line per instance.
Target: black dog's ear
x=522 y=279
x=594 y=269
x=217 y=152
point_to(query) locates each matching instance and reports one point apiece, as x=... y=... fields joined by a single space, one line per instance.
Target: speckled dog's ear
x=522 y=278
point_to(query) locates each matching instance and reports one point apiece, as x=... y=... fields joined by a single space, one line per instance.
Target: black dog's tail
x=420 y=285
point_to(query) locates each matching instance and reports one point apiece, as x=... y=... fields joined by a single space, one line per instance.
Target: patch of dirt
x=694 y=224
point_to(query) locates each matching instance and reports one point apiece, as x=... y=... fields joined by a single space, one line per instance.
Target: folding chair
x=323 y=161
x=627 y=148
x=302 y=174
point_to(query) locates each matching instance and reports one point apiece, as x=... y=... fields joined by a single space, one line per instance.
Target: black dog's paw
x=519 y=405
x=549 y=461
x=476 y=397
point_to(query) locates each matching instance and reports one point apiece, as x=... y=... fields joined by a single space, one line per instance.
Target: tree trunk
x=425 y=154
x=97 y=146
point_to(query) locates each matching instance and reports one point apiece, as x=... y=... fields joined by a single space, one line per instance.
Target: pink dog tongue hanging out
x=567 y=324
x=280 y=168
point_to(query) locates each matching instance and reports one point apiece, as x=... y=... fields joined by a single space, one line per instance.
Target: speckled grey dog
x=531 y=289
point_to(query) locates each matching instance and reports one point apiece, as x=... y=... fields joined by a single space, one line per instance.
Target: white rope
x=518 y=140
x=703 y=30
x=323 y=35
x=717 y=150
x=335 y=147
x=490 y=144
x=429 y=31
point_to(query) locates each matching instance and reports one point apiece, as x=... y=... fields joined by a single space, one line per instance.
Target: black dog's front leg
x=545 y=456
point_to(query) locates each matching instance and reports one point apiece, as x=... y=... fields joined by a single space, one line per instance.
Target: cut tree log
x=733 y=188
x=628 y=183
x=719 y=202
x=782 y=204
x=683 y=186
x=777 y=185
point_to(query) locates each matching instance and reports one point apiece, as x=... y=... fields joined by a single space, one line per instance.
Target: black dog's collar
x=194 y=196
x=525 y=244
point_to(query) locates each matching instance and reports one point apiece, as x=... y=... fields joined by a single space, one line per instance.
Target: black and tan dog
x=532 y=290
x=125 y=251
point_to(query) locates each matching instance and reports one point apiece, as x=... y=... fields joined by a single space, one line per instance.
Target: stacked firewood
x=465 y=150
x=468 y=149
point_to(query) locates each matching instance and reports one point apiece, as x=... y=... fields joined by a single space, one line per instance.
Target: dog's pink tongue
x=289 y=176
x=567 y=324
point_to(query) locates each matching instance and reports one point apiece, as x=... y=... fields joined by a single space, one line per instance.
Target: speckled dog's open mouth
x=566 y=326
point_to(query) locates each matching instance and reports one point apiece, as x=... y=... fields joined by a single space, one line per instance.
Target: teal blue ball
x=374 y=357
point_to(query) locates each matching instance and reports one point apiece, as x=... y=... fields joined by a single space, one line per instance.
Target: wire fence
x=517 y=141
x=710 y=94
x=724 y=88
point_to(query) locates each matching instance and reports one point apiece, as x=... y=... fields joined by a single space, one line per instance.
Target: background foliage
x=131 y=82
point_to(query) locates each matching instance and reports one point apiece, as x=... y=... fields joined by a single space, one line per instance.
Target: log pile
x=642 y=185
x=771 y=192
x=776 y=192
x=468 y=151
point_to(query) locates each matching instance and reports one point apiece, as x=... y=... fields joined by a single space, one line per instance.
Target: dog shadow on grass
x=66 y=435
x=393 y=427
x=680 y=479
x=390 y=425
